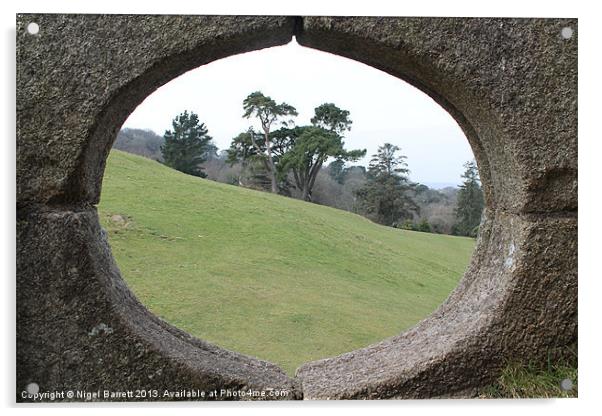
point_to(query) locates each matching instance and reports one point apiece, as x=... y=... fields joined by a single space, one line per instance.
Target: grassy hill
x=265 y=275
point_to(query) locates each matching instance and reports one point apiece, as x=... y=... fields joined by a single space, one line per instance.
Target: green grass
x=265 y=275
x=536 y=380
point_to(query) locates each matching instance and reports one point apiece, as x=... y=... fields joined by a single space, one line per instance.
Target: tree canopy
x=267 y=111
x=308 y=148
x=249 y=149
x=297 y=150
x=336 y=170
x=385 y=197
x=187 y=146
x=331 y=117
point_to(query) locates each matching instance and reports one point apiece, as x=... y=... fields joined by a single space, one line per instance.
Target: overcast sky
x=383 y=108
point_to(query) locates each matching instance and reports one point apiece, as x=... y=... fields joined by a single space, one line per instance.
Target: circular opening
x=33 y=28
x=271 y=275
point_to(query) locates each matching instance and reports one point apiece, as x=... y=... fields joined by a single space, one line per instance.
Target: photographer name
x=152 y=394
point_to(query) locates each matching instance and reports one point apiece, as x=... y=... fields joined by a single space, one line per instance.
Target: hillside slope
x=265 y=275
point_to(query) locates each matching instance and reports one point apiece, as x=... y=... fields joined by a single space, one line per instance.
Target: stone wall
x=511 y=84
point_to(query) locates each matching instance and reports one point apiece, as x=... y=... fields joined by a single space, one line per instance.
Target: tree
x=308 y=148
x=331 y=117
x=408 y=224
x=300 y=150
x=311 y=146
x=188 y=145
x=336 y=170
x=249 y=149
x=470 y=202
x=267 y=111
x=385 y=197
x=424 y=226
x=327 y=191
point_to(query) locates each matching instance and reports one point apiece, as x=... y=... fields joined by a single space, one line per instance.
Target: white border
x=589 y=201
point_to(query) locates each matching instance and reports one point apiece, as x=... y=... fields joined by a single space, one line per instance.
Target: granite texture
x=511 y=84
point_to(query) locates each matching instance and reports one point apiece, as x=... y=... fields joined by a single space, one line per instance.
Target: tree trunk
x=273 y=178
x=298 y=183
x=272 y=168
x=305 y=193
x=311 y=180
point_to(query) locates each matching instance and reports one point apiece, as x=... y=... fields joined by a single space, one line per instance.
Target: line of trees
x=290 y=151
x=288 y=159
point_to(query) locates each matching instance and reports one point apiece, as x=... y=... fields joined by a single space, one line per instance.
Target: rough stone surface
x=82 y=75
x=80 y=328
x=517 y=300
x=511 y=84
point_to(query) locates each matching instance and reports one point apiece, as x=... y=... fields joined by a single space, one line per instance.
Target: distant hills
x=140 y=142
x=440 y=185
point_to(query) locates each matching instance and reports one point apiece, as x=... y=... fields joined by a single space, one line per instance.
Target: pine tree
x=300 y=151
x=188 y=145
x=336 y=170
x=268 y=112
x=470 y=202
x=384 y=197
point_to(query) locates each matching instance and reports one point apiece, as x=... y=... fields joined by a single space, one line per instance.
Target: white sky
x=383 y=108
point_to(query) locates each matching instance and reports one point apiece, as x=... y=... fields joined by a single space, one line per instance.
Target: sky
x=383 y=108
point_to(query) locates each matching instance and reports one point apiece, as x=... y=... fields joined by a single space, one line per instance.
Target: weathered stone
x=518 y=299
x=82 y=75
x=511 y=84
x=81 y=329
